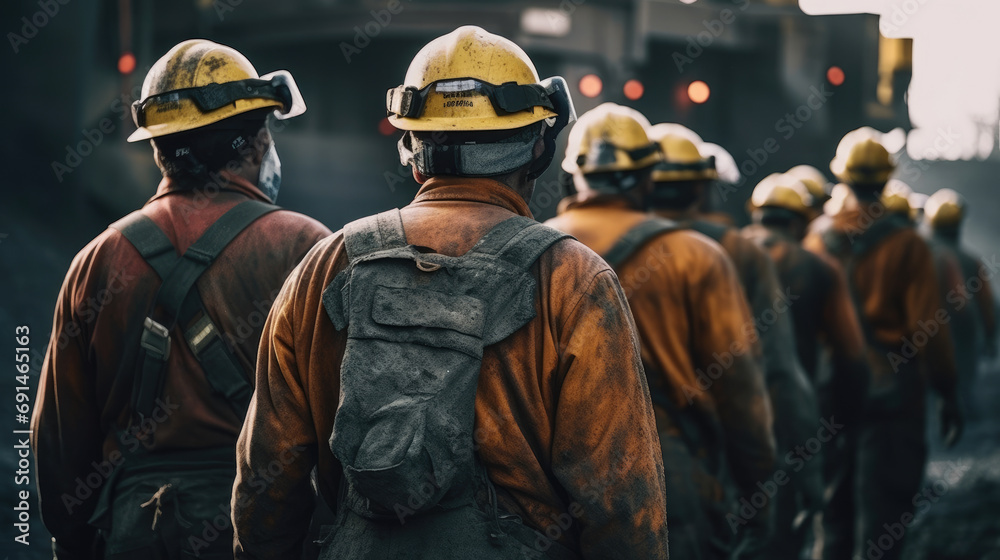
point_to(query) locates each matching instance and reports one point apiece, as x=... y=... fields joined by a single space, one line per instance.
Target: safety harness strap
x=518 y=240
x=709 y=229
x=374 y=233
x=149 y=240
x=178 y=299
x=636 y=238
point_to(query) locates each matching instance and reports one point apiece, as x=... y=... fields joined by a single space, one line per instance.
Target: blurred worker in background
x=966 y=292
x=816 y=183
x=392 y=318
x=891 y=278
x=896 y=198
x=681 y=182
x=147 y=388
x=826 y=325
x=712 y=409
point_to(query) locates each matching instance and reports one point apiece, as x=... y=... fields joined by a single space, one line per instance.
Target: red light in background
x=591 y=85
x=835 y=75
x=385 y=128
x=126 y=63
x=633 y=89
x=699 y=91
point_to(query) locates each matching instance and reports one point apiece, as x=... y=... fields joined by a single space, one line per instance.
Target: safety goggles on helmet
x=605 y=153
x=511 y=97
x=278 y=86
x=488 y=158
x=707 y=164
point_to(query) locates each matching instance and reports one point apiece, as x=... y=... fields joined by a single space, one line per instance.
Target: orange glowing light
x=835 y=75
x=633 y=89
x=385 y=128
x=699 y=91
x=591 y=85
x=126 y=63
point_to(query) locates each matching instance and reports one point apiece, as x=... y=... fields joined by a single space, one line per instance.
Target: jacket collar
x=472 y=189
x=222 y=181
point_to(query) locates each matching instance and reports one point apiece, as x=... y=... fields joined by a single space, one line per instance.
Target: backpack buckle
x=427 y=266
x=155 y=339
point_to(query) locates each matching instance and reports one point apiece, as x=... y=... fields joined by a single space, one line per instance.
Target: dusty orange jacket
x=83 y=405
x=696 y=335
x=563 y=417
x=897 y=292
x=793 y=399
x=823 y=314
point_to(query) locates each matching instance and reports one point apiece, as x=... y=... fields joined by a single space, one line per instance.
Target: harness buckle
x=155 y=339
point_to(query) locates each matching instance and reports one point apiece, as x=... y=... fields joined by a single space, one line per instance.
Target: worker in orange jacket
x=891 y=277
x=546 y=447
x=712 y=410
x=149 y=371
x=679 y=191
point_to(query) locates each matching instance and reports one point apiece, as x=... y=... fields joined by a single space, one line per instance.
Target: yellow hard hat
x=610 y=137
x=896 y=197
x=681 y=159
x=814 y=180
x=199 y=82
x=471 y=79
x=866 y=162
x=841 y=198
x=945 y=208
x=783 y=190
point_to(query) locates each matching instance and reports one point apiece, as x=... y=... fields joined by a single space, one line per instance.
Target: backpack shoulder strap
x=374 y=233
x=636 y=238
x=872 y=237
x=154 y=245
x=519 y=240
x=177 y=299
x=710 y=229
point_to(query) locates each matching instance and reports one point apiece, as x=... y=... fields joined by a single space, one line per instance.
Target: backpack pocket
x=402 y=432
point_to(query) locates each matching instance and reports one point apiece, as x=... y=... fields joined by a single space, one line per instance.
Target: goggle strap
x=215 y=96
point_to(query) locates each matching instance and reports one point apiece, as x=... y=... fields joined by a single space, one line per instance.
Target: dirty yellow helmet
x=471 y=79
x=467 y=81
x=199 y=82
x=785 y=191
x=896 y=197
x=814 y=180
x=865 y=162
x=944 y=209
x=841 y=199
x=917 y=203
x=681 y=159
x=610 y=138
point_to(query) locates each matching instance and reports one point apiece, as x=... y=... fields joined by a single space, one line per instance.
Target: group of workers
x=455 y=380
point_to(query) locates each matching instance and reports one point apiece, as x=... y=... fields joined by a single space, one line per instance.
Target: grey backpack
x=417 y=323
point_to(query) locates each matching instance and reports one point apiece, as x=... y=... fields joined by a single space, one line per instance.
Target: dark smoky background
x=783 y=87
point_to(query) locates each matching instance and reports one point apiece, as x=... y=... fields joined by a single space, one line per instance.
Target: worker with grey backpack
x=465 y=382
